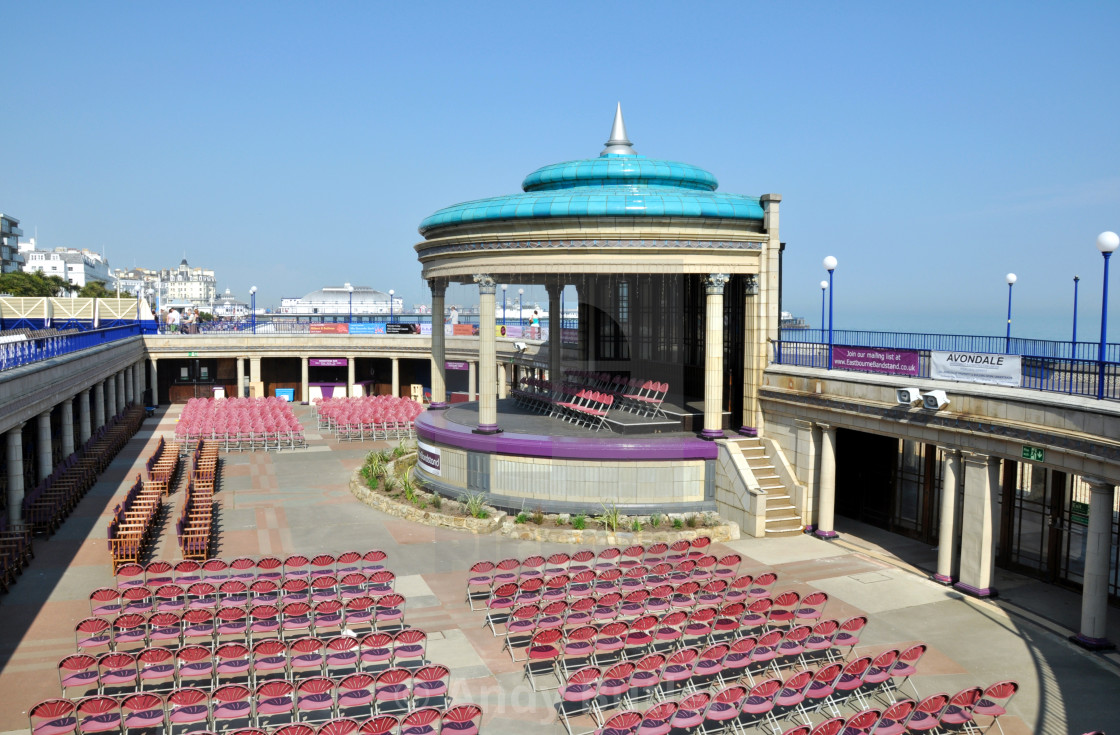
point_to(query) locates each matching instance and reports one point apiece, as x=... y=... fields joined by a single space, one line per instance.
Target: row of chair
x=632 y=394
x=108 y=601
x=247 y=569
x=195 y=526
x=130 y=528
x=240 y=623
x=245 y=424
x=273 y=702
x=16 y=551
x=46 y=506
x=162 y=464
x=155 y=667
x=586 y=408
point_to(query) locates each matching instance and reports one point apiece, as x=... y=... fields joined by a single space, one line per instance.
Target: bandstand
x=676 y=283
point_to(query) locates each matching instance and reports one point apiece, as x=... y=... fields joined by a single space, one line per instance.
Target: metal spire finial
x=619 y=144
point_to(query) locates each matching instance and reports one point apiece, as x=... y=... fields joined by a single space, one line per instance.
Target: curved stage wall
x=567 y=474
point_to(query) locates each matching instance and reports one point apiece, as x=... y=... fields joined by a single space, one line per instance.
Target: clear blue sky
x=931 y=147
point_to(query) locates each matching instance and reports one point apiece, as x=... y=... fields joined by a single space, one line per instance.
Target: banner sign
x=367 y=328
x=395 y=328
x=428 y=457
x=510 y=330
x=463 y=330
x=426 y=329
x=456 y=365
x=875 y=360
x=327 y=328
x=327 y=362
x=977 y=367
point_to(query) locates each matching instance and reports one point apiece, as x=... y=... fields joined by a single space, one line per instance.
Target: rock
x=563 y=519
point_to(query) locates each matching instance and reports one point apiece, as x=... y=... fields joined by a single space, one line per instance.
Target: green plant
x=678 y=523
x=579 y=521
x=476 y=505
x=691 y=521
x=610 y=518
x=422 y=504
x=636 y=526
x=409 y=489
x=521 y=518
x=437 y=501
x=389 y=483
x=538 y=516
x=655 y=520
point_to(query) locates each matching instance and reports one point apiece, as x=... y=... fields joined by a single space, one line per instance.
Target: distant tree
x=205 y=316
x=34 y=284
x=95 y=290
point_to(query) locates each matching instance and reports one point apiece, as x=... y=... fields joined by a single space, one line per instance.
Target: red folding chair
x=274 y=698
x=355 y=692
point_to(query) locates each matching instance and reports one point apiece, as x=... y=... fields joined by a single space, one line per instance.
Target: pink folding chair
x=295 y=729
x=306 y=657
x=927 y=715
x=143 y=711
x=577 y=695
x=372 y=560
x=758 y=705
x=380 y=725
x=356 y=692
x=993 y=702
x=130 y=575
x=375 y=651
x=420 y=722
x=117 y=671
x=623 y=723
x=849 y=633
x=229 y=703
x=877 y=674
x=894 y=718
x=314 y=696
x=232 y=661
x=541 y=657
x=431 y=684
x=738 y=658
x=793 y=691
x=341 y=656
x=79 y=671
x=156 y=667
x=53 y=717
x=195 y=665
x=645 y=681
x=269 y=657
x=105 y=601
x=92 y=634
x=274 y=698
x=480 y=582
x=690 y=711
x=98 y=714
x=709 y=665
x=392 y=689
x=409 y=647
x=187 y=706
x=657 y=719
x=850 y=680
x=904 y=668
x=785 y=606
x=724 y=708
x=678 y=669
x=328 y=617
x=738 y=589
x=338 y=726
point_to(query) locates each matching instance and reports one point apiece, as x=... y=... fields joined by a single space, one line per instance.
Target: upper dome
x=617 y=183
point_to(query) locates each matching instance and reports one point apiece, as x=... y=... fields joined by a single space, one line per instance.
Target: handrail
x=23 y=352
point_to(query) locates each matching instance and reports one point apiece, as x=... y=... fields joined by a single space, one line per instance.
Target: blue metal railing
x=22 y=352
x=1047 y=365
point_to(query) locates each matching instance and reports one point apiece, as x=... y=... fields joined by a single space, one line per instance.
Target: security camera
x=909 y=396
x=520 y=346
x=935 y=400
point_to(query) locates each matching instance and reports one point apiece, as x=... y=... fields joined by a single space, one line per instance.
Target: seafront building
x=338 y=303
x=78 y=267
x=10 y=258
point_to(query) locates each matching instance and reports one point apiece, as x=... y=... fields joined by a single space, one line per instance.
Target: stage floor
x=514 y=419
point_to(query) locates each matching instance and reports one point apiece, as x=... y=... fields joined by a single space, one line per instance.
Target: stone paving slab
x=299 y=502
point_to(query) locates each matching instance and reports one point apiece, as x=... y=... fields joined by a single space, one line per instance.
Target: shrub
x=611 y=518
x=409 y=490
x=678 y=523
x=691 y=521
x=521 y=517
x=437 y=501
x=655 y=520
x=476 y=505
x=389 y=483
x=636 y=526
x=538 y=516
x=579 y=521
x=399 y=451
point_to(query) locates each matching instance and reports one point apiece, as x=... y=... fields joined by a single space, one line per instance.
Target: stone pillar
x=155 y=383
x=439 y=342
x=256 y=386
x=305 y=389
x=110 y=397
x=350 y=390
x=1098 y=550
x=99 y=405
x=15 y=474
x=826 y=491
x=121 y=398
x=754 y=344
x=126 y=378
x=981 y=484
x=141 y=383
x=396 y=377
x=472 y=380
x=43 y=440
x=713 y=356
x=67 y=427
x=84 y=429
x=240 y=377
x=501 y=380
x=555 y=332
x=487 y=357
x=947 y=532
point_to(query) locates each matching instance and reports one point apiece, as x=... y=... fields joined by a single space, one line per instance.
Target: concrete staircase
x=782 y=518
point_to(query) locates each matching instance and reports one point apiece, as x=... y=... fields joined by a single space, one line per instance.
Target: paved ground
x=299 y=502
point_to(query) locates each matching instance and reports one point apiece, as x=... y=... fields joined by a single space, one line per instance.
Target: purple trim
x=975 y=591
x=435 y=427
x=826 y=535
x=438 y=406
x=1092 y=644
x=748 y=431
x=487 y=429
x=942 y=579
x=711 y=434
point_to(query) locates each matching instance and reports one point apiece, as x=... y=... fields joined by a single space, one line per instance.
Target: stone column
x=256 y=386
x=981 y=484
x=84 y=429
x=99 y=405
x=1098 y=550
x=754 y=343
x=350 y=390
x=67 y=427
x=501 y=380
x=487 y=356
x=305 y=389
x=947 y=532
x=43 y=440
x=155 y=383
x=713 y=356
x=15 y=474
x=126 y=379
x=140 y=382
x=826 y=492
x=396 y=377
x=110 y=397
x=439 y=343
x=121 y=398
x=555 y=332
x=240 y=377
x=472 y=381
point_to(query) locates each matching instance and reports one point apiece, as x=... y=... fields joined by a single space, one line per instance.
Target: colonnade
x=966 y=550
x=97 y=404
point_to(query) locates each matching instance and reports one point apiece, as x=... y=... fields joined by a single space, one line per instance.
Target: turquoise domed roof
x=617 y=183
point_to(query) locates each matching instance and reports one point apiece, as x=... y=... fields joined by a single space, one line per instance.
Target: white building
x=336 y=301
x=228 y=307
x=187 y=285
x=10 y=258
x=79 y=267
